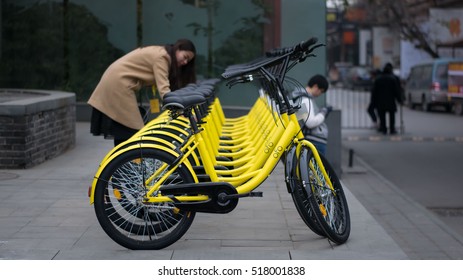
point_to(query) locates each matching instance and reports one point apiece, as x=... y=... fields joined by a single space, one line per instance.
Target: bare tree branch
x=401 y=16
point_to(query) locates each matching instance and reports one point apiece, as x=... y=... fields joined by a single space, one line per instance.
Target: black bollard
x=351 y=157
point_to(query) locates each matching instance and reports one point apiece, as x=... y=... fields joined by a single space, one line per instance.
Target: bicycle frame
x=286 y=134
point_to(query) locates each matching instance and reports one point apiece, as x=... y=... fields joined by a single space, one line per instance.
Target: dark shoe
x=383 y=131
x=393 y=132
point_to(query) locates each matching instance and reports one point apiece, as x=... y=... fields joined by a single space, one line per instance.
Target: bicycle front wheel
x=120 y=206
x=299 y=193
x=301 y=201
x=329 y=205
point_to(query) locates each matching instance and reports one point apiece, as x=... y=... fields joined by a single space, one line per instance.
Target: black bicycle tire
x=125 y=238
x=133 y=210
x=300 y=195
x=335 y=221
x=301 y=201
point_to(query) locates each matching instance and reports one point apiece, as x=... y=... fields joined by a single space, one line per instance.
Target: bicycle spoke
x=124 y=212
x=329 y=204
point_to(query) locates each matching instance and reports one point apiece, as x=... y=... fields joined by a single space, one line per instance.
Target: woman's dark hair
x=181 y=76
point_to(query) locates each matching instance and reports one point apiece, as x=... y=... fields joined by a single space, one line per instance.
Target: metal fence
x=353 y=105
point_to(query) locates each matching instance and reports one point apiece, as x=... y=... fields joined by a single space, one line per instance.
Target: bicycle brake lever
x=315 y=47
x=302 y=59
x=240 y=80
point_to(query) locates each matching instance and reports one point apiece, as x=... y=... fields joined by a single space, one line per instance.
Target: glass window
x=68 y=44
x=426 y=76
x=442 y=74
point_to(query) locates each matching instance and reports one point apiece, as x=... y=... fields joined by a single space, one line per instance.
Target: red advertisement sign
x=455 y=79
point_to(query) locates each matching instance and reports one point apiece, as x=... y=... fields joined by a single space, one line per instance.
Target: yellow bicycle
x=192 y=159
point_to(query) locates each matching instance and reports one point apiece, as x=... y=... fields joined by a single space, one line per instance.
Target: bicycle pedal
x=251 y=194
x=256 y=194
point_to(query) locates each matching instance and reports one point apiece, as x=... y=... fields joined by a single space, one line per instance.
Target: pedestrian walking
x=115 y=111
x=312 y=118
x=371 y=109
x=386 y=93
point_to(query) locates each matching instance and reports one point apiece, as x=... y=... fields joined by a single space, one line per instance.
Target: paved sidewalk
x=420 y=232
x=45 y=215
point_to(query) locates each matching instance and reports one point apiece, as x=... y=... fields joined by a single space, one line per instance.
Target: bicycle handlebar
x=301 y=47
x=297 y=52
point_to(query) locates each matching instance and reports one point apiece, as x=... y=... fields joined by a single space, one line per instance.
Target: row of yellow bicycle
x=191 y=159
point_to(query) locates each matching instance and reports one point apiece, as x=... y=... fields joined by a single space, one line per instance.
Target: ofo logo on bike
x=277 y=151
x=268 y=146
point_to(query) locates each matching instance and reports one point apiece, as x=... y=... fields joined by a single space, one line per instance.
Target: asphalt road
x=425 y=161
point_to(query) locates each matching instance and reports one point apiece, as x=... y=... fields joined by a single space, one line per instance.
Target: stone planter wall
x=35 y=126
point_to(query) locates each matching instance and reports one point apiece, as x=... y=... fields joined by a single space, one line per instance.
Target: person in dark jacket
x=371 y=109
x=386 y=93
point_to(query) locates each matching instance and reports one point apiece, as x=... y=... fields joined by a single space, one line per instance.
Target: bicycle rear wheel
x=329 y=206
x=120 y=207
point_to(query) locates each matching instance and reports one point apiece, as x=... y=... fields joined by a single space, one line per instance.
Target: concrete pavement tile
x=205 y=231
x=315 y=242
x=444 y=236
x=29 y=211
x=323 y=254
x=287 y=204
x=46 y=221
x=81 y=202
x=51 y=232
x=258 y=244
x=186 y=243
x=370 y=244
x=77 y=221
x=102 y=243
x=82 y=254
x=67 y=211
x=94 y=238
x=228 y=227
x=12 y=221
x=300 y=235
x=94 y=230
x=34 y=254
x=231 y=254
x=39 y=243
x=295 y=222
x=240 y=232
x=430 y=254
x=399 y=221
x=292 y=216
x=425 y=247
x=453 y=253
x=6 y=193
x=8 y=232
x=326 y=254
x=455 y=221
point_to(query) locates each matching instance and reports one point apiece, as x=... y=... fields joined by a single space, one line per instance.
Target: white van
x=427 y=85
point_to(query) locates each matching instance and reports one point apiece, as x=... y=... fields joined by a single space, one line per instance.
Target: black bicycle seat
x=175 y=100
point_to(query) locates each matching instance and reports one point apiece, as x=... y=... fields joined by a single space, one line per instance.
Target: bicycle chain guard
x=214 y=190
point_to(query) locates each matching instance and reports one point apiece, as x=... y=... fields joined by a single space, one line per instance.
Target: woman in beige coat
x=115 y=110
